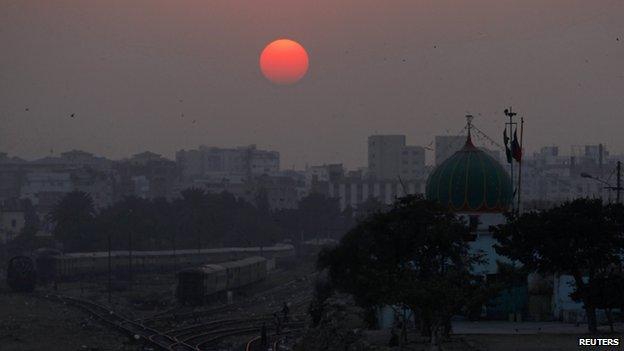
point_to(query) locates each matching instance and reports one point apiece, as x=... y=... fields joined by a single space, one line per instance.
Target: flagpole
x=520 y=163
x=511 y=114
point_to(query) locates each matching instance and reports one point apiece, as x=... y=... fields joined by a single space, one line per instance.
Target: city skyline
x=431 y=159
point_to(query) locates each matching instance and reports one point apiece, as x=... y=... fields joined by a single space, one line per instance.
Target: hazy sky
x=129 y=69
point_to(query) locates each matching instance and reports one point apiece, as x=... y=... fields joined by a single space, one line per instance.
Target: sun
x=284 y=61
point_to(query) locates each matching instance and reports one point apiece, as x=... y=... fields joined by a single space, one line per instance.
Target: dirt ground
x=31 y=323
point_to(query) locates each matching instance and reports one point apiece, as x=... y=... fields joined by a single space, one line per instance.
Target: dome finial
x=469 y=127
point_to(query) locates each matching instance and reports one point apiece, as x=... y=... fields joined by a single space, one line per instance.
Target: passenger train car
x=196 y=285
x=54 y=266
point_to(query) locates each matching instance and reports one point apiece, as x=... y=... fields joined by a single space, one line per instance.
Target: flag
x=516 y=150
x=506 y=141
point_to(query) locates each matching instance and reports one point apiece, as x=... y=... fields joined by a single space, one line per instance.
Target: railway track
x=199 y=337
x=211 y=340
x=202 y=335
x=255 y=343
x=129 y=327
x=275 y=293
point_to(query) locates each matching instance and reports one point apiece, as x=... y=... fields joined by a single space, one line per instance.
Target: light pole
x=618 y=185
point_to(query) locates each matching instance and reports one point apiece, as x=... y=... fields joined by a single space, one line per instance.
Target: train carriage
x=74 y=265
x=196 y=285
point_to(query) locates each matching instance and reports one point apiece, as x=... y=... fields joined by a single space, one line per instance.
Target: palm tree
x=73 y=218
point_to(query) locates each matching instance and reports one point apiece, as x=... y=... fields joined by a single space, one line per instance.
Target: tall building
x=412 y=162
x=447 y=145
x=390 y=158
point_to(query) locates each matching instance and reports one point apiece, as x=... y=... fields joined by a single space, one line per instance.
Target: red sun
x=284 y=61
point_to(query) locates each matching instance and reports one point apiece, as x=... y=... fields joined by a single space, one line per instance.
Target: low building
x=248 y=160
x=352 y=191
x=45 y=189
x=12 y=222
x=146 y=175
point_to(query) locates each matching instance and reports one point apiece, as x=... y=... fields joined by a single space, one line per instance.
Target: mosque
x=478 y=189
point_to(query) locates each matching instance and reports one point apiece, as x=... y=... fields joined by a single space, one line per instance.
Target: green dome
x=470 y=181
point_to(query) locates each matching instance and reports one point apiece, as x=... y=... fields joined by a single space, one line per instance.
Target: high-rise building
x=390 y=158
x=447 y=145
x=412 y=162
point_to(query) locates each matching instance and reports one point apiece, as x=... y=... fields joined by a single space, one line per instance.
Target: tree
x=606 y=293
x=412 y=256
x=582 y=238
x=194 y=213
x=319 y=215
x=161 y=224
x=73 y=219
x=370 y=206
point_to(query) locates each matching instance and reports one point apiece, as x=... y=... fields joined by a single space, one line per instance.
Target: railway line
x=200 y=336
x=210 y=328
x=127 y=326
x=294 y=291
x=255 y=343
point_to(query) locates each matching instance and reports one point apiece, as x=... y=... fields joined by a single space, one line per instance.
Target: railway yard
x=144 y=315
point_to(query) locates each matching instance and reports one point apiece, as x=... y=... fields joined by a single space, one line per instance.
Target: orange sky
x=413 y=67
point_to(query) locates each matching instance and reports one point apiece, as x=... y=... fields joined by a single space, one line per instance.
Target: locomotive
x=197 y=285
x=21 y=274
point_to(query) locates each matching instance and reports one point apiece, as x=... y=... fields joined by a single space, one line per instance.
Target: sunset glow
x=284 y=61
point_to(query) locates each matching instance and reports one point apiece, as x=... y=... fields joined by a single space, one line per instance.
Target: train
x=21 y=274
x=54 y=266
x=197 y=285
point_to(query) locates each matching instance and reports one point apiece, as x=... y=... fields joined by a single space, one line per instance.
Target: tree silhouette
x=582 y=238
x=369 y=207
x=413 y=255
x=73 y=220
x=194 y=213
x=319 y=215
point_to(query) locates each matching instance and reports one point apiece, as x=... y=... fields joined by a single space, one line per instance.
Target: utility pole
x=520 y=163
x=618 y=182
x=109 y=267
x=130 y=256
x=131 y=228
x=618 y=188
x=175 y=260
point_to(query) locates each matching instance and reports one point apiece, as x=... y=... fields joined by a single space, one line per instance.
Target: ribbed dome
x=470 y=181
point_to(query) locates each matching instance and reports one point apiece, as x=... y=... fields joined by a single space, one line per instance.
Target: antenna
x=469 y=122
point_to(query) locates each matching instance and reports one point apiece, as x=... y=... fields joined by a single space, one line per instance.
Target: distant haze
x=129 y=69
